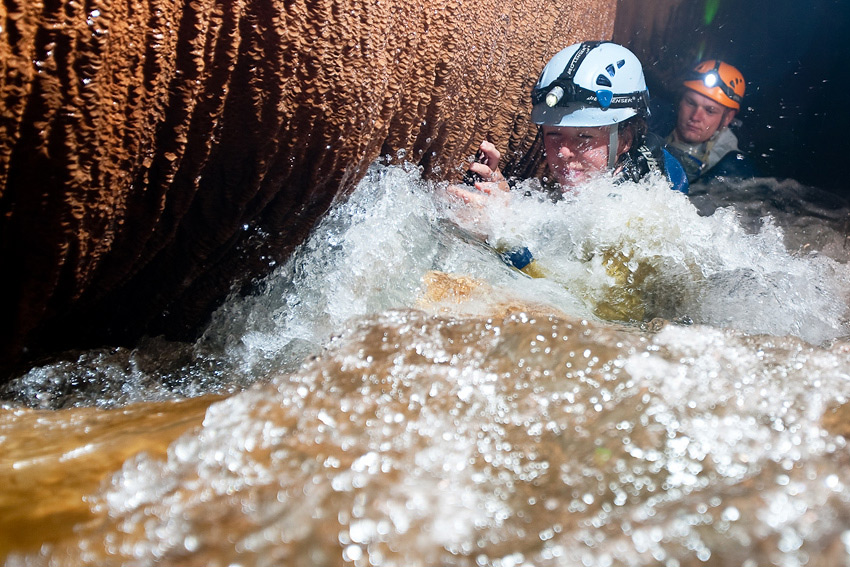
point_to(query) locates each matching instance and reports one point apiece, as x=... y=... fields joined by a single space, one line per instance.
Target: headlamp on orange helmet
x=719 y=81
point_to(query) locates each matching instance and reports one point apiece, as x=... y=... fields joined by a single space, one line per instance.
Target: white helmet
x=590 y=84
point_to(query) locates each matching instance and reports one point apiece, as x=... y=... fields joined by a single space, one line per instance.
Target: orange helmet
x=719 y=81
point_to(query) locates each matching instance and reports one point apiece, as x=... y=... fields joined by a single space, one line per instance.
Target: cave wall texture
x=154 y=154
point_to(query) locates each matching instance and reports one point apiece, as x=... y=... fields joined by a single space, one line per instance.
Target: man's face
x=700 y=117
x=575 y=154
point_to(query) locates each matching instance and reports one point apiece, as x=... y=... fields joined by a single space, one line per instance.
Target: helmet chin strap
x=613 y=140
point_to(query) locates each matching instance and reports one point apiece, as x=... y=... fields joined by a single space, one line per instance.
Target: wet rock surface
x=156 y=154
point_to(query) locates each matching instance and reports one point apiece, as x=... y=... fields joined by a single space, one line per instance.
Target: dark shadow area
x=794 y=57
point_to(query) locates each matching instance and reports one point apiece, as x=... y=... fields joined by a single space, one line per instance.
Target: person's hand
x=492 y=183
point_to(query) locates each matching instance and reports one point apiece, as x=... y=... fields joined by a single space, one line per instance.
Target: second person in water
x=702 y=139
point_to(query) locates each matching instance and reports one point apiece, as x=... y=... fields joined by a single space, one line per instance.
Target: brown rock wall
x=153 y=154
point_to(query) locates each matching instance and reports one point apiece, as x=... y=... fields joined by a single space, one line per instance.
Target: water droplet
x=731 y=514
x=352 y=553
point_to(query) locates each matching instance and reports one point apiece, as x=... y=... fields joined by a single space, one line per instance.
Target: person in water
x=591 y=104
x=702 y=139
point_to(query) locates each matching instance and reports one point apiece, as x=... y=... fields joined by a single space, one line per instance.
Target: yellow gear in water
x=534 y=270
x=624 y=301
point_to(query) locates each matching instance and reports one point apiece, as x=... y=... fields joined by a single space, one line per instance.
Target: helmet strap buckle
x=613 y=144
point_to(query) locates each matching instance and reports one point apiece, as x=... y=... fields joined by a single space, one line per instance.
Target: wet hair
x=638 y=128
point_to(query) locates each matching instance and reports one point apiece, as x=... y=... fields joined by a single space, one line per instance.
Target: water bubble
x=731 y=514
x=191 y=543
x=352 y=553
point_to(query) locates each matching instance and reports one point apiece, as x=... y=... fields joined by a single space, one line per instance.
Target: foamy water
x=398 y=395
x=371 y=253
x=734 y=269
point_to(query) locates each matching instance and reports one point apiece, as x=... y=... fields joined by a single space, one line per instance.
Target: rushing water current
x=674 y=391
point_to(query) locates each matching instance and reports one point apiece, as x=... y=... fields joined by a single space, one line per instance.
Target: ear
x=728 y=116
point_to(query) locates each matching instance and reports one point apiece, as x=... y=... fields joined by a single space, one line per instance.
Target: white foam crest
x=371 y=251
x=739 y=409
x=365 y=256
x=369 y=254
x=710 y=270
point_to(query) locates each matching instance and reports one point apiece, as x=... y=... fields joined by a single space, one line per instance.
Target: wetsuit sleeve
x=675 y=172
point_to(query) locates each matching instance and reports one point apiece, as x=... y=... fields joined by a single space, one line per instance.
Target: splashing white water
x=471 y=439
x=371 y=251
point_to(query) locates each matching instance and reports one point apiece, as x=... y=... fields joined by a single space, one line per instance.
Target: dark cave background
x=794 y=57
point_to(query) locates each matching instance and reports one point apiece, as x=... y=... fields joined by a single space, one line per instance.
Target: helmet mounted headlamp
x=711 y=79
x=563 y=91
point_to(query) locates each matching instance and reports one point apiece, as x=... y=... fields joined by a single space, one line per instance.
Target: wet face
x=700 y=117
x=576 y=154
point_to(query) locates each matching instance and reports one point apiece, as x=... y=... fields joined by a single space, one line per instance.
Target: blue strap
x=675 y=172
x=518 y=257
